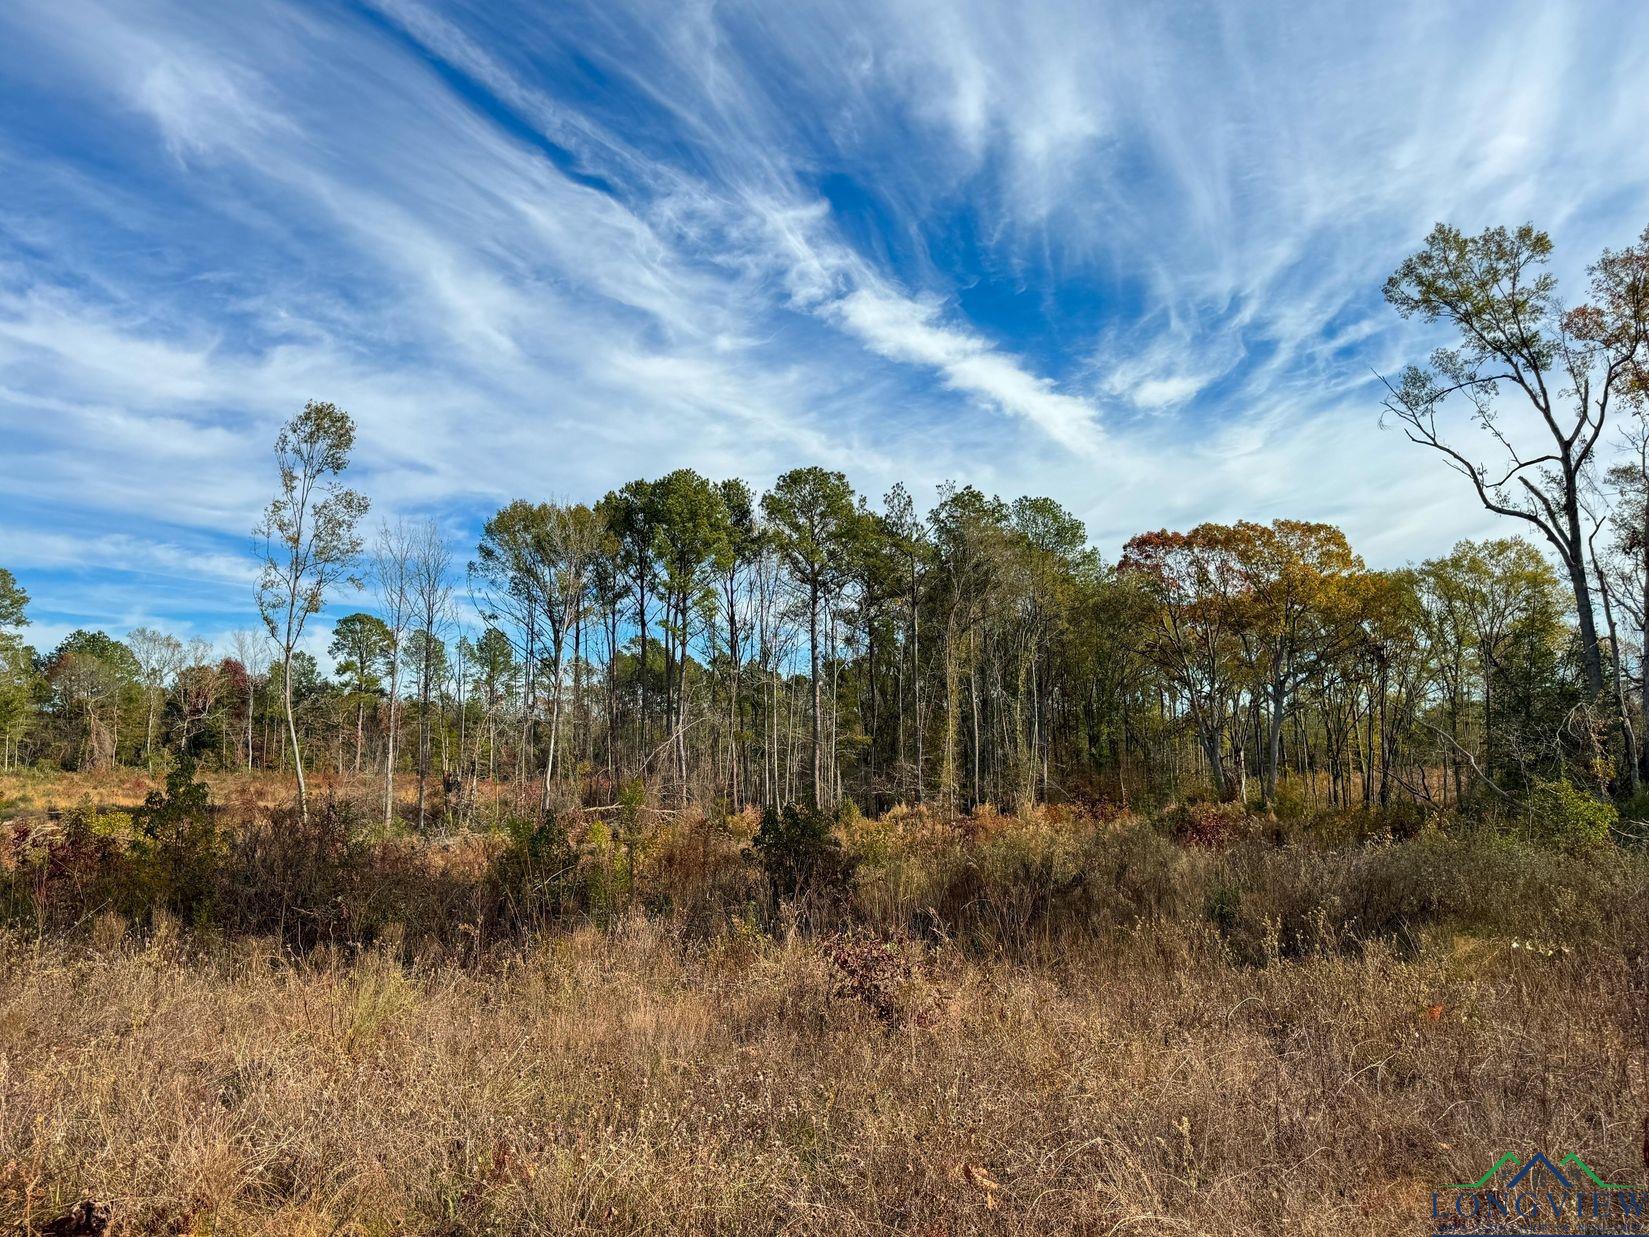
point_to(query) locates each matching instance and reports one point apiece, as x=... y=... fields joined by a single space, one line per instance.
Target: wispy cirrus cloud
x=1126 y=255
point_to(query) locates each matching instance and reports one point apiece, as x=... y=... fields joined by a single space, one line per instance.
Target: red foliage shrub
x=1211 y=825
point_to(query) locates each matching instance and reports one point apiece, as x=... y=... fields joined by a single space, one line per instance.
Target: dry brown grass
x=1041 y=1024
x=29 y=790
x=635 y=1081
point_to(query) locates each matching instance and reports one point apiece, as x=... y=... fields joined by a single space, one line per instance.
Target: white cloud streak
x=543 y=251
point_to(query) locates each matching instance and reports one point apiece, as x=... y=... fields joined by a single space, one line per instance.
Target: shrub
x=692 y=871
x=797 y=849
x=876 y=974
x=1636 y=808
x=297 y=877
x=54 y=869
x=1562 y=815
x=532 y=876
x=1354 y=826
x=1290 y=802
x=177 y=844
x=1211 y=825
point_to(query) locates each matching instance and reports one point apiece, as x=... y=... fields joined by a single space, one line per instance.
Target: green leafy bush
x=1562 y=815
x=177 y=844
x=535 y=875
x=1290 y=801
x=797 y=849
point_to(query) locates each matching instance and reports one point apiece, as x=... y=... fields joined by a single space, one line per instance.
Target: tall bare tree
x=159 y=658
x=308 y=540
x=392 y=578
x=251 y=649
x=1627 y=568
x=431 y=568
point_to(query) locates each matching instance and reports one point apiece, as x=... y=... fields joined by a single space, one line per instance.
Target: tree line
x=805 y=643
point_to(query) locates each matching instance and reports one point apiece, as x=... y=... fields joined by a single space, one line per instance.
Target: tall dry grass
x=1052 y=1024
x=635 y=1081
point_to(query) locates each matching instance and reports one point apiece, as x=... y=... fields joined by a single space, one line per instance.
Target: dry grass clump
x=637 y=1080
x=33 y=790
x=26 y=791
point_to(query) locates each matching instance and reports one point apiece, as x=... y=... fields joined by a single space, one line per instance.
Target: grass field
x=1059 y=1024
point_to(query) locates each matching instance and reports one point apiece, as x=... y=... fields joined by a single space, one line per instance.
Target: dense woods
x=982 y=654
x=721 y=642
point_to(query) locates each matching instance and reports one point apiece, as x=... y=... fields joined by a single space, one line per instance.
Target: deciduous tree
x=308 y=540
x=1563 y=366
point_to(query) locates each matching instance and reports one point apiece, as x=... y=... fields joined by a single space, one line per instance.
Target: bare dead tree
x=392 y=578
x=431 y=567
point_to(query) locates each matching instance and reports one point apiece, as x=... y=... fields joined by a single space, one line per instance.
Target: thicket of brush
x=220 y=1019
x=1271 y=887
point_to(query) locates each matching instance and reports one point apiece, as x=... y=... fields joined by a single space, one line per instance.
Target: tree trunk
x=1643 y=663
x=389 y=744
x=292 y=730
x=732 y=703
x=1575 y=559
x=423 y=722
x=1628 y=763
x=813 y=664
x=555 y=731
x=1274 y=742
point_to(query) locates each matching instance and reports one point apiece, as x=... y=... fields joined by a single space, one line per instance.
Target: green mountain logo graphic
x=1577 y=1168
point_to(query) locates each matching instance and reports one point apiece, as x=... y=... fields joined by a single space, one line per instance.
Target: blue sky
x=1126 y=255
